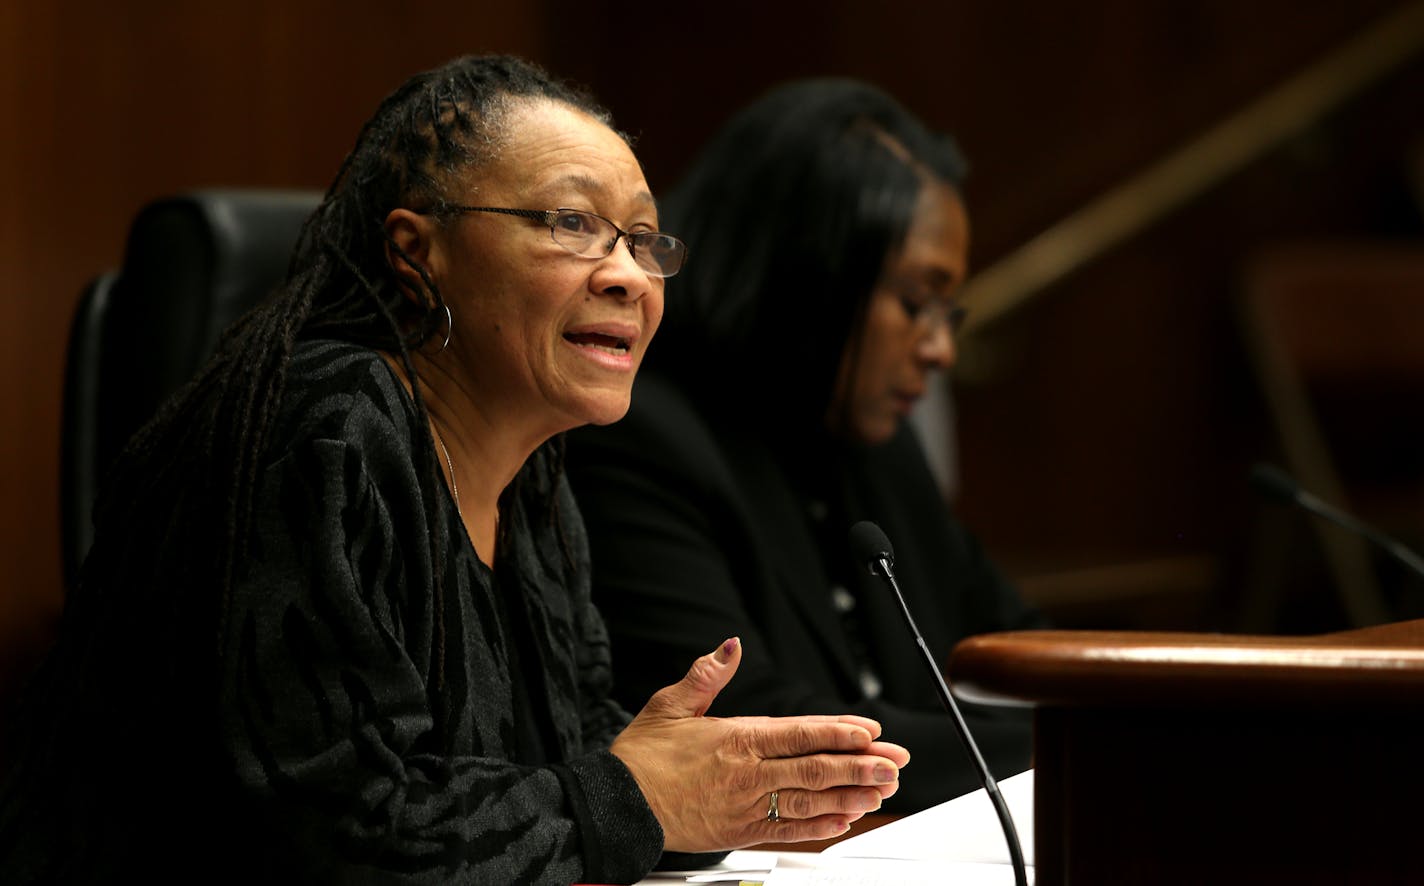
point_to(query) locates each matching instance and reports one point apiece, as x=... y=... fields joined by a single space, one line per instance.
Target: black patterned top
x=355 y=746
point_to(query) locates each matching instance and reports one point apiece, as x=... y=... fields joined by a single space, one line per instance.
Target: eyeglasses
x=593 y=236
x=936 y=311
x=929 y=311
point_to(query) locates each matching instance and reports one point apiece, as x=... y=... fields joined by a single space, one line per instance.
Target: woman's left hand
x=709 y=780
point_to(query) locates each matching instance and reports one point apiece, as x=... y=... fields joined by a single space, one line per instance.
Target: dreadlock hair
x=201 y=453
x=340 y=284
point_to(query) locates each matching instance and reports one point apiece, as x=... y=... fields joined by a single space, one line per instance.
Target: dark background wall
x=1116 y=415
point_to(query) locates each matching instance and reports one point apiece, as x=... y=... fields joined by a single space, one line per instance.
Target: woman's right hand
x=709 y=779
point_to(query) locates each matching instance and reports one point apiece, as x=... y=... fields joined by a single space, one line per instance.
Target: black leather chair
x=193 y=264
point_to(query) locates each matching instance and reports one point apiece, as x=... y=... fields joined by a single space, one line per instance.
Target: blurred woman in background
x=772 y=414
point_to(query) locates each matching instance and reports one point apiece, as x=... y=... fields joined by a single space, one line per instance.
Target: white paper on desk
x=965 y=829
x=743 y=864
x=818 y=870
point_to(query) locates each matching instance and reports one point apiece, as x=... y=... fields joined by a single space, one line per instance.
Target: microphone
x=1277 y=486
x=869 y=544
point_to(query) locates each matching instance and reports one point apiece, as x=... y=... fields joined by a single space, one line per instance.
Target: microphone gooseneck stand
x=873 y=547
x=1277 y=486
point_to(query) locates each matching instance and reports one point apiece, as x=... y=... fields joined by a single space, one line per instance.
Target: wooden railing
x=1014 y=280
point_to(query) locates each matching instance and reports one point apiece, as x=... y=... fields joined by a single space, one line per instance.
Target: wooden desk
x=1207 y=758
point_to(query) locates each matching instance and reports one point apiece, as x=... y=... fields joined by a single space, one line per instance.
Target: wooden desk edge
x=1371 y=666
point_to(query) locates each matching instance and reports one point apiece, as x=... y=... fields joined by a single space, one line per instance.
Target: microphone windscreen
x=1273 y=483
x=869 y=543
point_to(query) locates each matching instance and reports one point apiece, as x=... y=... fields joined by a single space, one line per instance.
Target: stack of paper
x=965 y=829
x=960 y=842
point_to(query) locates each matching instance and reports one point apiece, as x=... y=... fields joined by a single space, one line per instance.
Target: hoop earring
x=449 y=328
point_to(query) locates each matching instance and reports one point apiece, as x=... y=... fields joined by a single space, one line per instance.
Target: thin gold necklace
x=454 y=487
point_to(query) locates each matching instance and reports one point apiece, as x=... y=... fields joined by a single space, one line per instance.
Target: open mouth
x=598 y=341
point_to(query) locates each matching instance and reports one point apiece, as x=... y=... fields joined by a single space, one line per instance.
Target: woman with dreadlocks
x=336 y=625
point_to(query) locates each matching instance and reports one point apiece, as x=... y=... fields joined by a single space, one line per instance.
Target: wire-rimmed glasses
x=593 y=236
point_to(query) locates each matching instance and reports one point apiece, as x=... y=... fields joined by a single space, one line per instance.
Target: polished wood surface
x=1207 y=758
x=1369 y=666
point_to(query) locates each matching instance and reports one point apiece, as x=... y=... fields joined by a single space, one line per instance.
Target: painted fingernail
x=724 y=653
x=885 y=774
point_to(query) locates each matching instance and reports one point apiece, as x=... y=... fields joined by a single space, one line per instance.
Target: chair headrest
x=195 y=263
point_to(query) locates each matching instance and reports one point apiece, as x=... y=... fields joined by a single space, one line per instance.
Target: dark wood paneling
x=107 y=106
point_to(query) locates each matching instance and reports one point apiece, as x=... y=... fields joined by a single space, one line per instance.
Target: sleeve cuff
x=621 y=838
